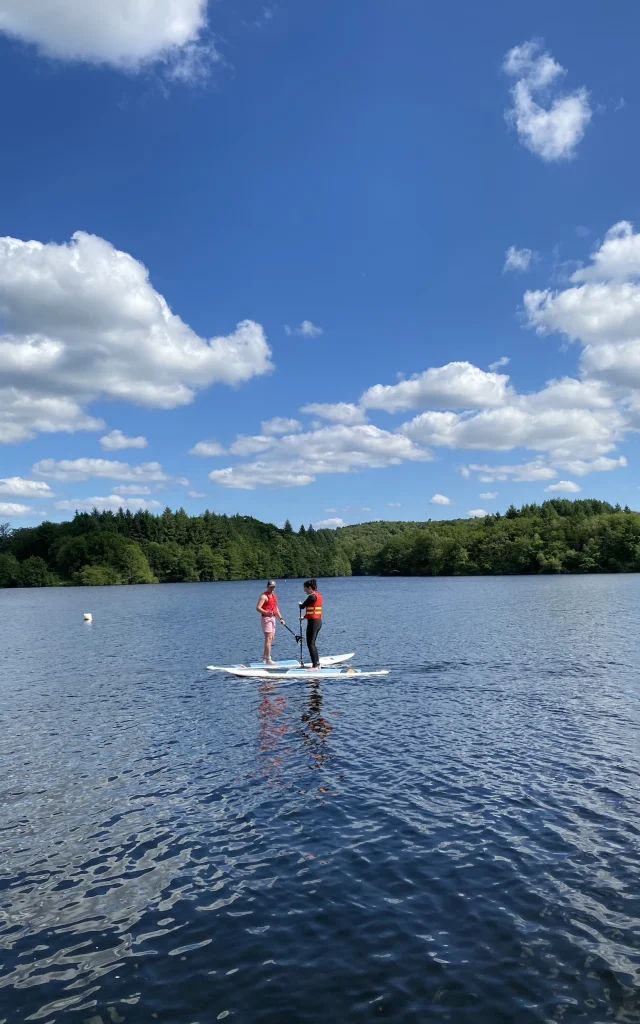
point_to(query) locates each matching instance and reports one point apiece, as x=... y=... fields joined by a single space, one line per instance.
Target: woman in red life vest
x=268 y=609
x=312 y=606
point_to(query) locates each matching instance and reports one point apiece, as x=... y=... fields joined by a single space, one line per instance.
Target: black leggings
x=313 y=628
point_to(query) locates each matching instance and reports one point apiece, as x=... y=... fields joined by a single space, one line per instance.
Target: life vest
x=314 y=611
x=270 y=605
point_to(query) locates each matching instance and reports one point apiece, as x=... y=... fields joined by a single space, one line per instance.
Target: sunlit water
x=458 y=841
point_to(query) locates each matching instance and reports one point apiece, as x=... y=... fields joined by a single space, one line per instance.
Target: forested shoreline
x=107 y=548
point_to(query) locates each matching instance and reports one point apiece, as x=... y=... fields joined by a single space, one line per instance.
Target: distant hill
x=101 y=548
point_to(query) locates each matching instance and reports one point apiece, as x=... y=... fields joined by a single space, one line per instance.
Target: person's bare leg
x=268 y=643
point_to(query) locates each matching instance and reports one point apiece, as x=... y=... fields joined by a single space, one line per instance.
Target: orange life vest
x=314 y=611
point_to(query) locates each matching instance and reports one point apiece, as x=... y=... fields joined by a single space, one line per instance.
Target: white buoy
x=88 y=617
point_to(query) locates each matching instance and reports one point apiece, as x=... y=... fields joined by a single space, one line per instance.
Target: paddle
x=298 y=639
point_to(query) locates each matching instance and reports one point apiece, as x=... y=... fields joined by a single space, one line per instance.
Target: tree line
x=106 y=548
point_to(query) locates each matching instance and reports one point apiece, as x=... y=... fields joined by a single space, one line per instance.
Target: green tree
x=96 y=576
x=9 y=571
x=34 y=572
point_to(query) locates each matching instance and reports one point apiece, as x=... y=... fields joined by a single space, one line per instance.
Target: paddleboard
x=331 y=659
x=301 y=673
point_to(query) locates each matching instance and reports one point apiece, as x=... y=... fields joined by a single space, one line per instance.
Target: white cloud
x=81 y=321
x=440 y=499
x=307 y=329
x=111 y=503
x=296 y=460
x=520 y=425
x=499 y=363
x=261 y=474
x=117 y=441
x=617 y=259
x=336 y=412
x=518 y=260
x=489 y=495
x=122 y=33
x=549 y=123
x=477 y=513
x=16 y=487
x=328 y=524
x=12 y=509
x=601 y=464
x=87 y=469
x=457 y=385
x=600 y=309
x=394 y=504
x=134 y=489
x=24 y=414
x=563 y=487
x=206 y=449
x=252 y=445
x=527 y=472
x=280 y=425
x=197 y=494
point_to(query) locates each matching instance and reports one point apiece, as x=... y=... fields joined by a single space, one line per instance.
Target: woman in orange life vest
x=269 y=611
x=312 y=606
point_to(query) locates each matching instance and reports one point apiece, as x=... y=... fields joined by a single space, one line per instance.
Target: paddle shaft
x=298 y=639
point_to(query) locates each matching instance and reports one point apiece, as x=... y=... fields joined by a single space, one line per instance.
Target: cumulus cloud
x=117 y=441
x=394 y=504
x=600 y=309
x=206 y=449
x=601 y=464
x=122 y=33
x=489 y=495
x=518 y=260
x=16 y=487
x=81 y=321
x=197 y=494
x=457 y=385
x=499 y=363
x=280 y=425
x=520 y=425
x=297 y=459
x=13 y=509
x=307 y=329
x=527 y=472
x=563 y=487
x=549 y=123
x=87 y=469
x=252 y=445
x=135 y=489
x=440 y=499
x=110 y=503
x=329 y=524
x=336 y=412
x=262 y=474
x=24 y=414
x=477 y=513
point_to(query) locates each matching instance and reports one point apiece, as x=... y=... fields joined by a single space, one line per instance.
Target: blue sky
x=413 y=222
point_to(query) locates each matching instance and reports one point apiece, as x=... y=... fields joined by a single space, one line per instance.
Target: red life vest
x=270 y=606
x=314 y=611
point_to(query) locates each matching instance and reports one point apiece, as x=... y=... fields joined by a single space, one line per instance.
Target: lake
x=458 y=841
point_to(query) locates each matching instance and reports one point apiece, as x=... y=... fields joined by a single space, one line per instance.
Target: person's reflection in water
x=316 y=729
x=272 y=725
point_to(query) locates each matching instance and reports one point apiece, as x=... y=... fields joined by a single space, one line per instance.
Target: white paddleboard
x=301 y=673
x=280 y=666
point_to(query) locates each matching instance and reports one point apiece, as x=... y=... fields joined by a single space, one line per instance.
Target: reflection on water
x=460 y=841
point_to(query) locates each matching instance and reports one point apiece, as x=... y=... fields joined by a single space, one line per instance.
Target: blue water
x=458 y=841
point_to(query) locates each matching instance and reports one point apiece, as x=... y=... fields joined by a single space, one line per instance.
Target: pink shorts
x=268 y=623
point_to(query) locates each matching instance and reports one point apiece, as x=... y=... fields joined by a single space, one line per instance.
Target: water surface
x=459 y=841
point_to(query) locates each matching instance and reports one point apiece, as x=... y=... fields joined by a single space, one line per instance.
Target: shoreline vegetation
x=107 y=548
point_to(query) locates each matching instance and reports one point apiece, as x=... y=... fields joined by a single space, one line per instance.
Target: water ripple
x=459 y=842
